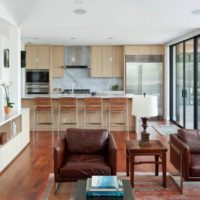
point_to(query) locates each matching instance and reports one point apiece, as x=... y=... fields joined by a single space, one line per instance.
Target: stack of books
x=104 y=186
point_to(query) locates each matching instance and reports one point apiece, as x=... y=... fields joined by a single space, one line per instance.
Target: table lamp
x=144 y=106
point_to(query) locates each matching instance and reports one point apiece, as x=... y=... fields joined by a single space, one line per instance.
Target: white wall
x=12 y=41
x=6 y=16
x=4 y=72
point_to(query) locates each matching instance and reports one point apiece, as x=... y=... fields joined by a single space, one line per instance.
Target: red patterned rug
x=147 y=187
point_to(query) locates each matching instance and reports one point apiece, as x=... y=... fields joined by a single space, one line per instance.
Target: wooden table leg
x=156 y=165
x=164 y=169
x=132 y=161
x=127 y=164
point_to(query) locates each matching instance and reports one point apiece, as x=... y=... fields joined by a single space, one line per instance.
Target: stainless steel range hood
x=77 y=57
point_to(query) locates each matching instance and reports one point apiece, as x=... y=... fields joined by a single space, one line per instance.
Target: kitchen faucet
x=74 y=84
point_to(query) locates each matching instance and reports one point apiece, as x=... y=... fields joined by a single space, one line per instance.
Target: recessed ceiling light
x=196 y=12
x=72 y=38
x=78 y=2
x=110 y=38
x=80 y=11
x=35 y=38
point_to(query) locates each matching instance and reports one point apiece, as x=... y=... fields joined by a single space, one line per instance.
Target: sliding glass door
x=179 y=101
x=198 y=82
x=189 y=84
x=183 y=84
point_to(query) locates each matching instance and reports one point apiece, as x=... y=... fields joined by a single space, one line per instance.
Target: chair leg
x=101 y=118
x=52 y=121
x=36 y=124
x=56 y=185
x=34 y=121
x=127 y=121
x=58 y=121
x=76 y=113
x=60 y=124
x=84 y=120
x=109 y=120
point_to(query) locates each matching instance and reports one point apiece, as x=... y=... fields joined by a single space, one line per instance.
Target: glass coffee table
x=80 y=192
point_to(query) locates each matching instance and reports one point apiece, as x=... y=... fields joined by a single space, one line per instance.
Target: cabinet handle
x=111 y=59
x=36 y=60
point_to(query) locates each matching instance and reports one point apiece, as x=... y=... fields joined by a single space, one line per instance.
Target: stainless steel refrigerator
x=144 y=74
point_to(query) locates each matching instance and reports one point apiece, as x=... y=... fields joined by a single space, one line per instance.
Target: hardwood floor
x=26 y=177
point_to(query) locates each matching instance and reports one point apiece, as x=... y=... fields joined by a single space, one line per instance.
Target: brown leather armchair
x=185 y=153
x=83 y=153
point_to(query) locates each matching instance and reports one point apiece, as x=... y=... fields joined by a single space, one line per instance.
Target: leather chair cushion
x=84 y=166
x=86 y=141
x=195 y=165
x=191 y=138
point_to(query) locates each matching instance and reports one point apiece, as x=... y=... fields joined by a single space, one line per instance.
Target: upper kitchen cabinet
x=107 y=61
x=57 y=56
x=31 y=57
x=37 y=56
x=117 y=61
x=96 y=61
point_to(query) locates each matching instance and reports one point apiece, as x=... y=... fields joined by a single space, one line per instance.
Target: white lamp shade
x=145 y=106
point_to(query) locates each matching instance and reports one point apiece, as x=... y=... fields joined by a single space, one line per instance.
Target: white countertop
x=55 y=96
x=15 y=113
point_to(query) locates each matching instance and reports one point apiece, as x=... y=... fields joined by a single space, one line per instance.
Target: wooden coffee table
x=80 y=191
x=154 y=148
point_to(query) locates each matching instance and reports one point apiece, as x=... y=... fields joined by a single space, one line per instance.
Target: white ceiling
x=127 y=21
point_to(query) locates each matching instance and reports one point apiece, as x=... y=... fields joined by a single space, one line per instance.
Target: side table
x=154 y=148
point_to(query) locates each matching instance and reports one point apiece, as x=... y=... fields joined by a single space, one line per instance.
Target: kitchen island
x=28 y=101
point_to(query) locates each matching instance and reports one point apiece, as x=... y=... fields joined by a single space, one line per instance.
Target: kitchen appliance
x=37 y=82
x=37 y=76
x=77 y=57
x=144 y=74
x=40 y=88
x=76 y=91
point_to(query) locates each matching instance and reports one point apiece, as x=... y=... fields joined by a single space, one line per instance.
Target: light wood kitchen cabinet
x=117 y=61
x=31 y=57
x=107 y=61
x=96 y=61
x=37 y=56
x=57 y=56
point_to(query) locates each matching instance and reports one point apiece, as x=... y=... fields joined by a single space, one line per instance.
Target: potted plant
x=9 y=105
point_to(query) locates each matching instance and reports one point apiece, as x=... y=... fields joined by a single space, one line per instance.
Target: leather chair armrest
x=178 y=147
x=112 y=154
x=59 y=157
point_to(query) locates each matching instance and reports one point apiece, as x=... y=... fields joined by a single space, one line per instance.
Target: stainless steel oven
x=41 y=88
x=37 y=82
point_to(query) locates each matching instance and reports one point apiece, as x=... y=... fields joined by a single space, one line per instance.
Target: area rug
x=166 y=129
x=147 y=187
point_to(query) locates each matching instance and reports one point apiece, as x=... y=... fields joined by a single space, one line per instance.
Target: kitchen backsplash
x=84 y=81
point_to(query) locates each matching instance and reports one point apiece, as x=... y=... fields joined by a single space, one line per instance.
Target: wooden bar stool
x=118 y=105
x=93 y=105
x=67 y=105
x=42 y=104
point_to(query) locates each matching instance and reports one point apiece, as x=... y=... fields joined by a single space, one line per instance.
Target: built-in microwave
x=37 y=82
x=37 y=76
